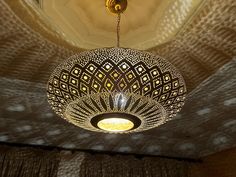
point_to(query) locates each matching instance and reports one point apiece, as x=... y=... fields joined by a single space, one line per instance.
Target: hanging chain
x=118 y=30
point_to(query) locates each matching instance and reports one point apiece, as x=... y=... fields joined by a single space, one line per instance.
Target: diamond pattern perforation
x=116 y=70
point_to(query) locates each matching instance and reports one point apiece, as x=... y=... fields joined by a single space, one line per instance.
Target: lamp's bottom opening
x=116 y=122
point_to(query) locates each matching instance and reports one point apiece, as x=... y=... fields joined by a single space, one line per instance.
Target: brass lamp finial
x=116 y=6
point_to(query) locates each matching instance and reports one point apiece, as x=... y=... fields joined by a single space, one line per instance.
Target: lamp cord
x=118 y=29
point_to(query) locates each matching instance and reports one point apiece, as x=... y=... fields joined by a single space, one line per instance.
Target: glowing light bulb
x=115 y=124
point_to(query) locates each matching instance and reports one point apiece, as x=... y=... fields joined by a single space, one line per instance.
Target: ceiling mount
x=116 y=6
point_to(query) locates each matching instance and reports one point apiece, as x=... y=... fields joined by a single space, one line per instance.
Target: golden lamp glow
x=115 y=124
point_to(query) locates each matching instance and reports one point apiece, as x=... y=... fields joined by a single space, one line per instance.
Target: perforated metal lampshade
x=120 y=83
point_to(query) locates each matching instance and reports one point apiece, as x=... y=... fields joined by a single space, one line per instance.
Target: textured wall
x=71 y=163
x=38 y=162
x=218 y=165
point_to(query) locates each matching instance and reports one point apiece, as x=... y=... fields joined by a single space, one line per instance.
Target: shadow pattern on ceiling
x=205 y=125
x=30 y=50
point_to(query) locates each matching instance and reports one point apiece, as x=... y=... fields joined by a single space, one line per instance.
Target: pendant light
x=116 y=90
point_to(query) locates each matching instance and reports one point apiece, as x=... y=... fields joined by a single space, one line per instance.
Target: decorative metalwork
x=116 y=80
x=116 y=6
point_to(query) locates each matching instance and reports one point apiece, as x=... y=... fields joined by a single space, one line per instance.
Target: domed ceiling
x=144 y=24
x=35 y=36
